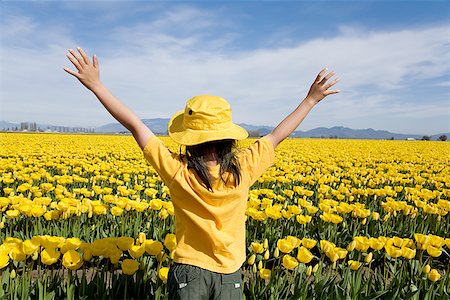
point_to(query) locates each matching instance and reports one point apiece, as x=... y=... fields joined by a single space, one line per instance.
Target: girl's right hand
x=88 y=73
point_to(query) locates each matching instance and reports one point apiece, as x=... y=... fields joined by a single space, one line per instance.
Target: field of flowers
x=86 y=217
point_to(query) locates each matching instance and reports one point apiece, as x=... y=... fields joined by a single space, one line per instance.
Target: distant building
x=410 y=139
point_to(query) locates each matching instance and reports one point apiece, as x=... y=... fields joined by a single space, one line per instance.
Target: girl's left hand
x=88 y=73
x=320 y=88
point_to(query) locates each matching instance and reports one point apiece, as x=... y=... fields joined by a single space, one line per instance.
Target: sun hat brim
x=190 y=137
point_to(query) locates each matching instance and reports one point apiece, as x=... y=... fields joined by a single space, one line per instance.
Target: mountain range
x=159 y=126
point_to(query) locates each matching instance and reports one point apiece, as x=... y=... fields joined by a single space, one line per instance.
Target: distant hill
x=159 y=126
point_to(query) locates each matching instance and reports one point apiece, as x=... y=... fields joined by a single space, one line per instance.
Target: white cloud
x=154 y=67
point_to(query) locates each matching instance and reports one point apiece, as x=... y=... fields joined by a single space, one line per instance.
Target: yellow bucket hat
x=206 y=118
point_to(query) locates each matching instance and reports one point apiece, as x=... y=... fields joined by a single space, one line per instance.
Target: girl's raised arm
x=88 y=74
x=318 y=91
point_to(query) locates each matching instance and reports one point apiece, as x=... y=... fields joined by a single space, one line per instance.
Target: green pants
x=190 y=282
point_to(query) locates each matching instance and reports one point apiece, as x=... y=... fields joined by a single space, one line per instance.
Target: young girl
x=209 y=184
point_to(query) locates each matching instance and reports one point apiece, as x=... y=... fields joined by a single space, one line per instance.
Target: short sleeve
x=162 y=160
x=256 y=159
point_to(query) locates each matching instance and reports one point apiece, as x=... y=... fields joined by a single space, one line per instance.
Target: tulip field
x=86 y=217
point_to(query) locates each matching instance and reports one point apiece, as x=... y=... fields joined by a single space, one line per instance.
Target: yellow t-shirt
x=209 y=226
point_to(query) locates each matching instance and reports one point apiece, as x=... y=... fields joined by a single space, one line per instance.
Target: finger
x=326 y=93
x=77 y=57
x=328 y=76
x=95 y=60
x=74 y=61
x=327 y=86
x=71 y=72
x=321 y=74
x=84 y=56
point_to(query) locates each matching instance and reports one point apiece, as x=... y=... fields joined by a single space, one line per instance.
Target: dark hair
x=225 y=151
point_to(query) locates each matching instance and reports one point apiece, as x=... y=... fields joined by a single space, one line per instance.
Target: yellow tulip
x=4 y=260
x=276 y=253
x=427 y=269
x=309 y=271
x=289 y=262
x=116 y=211
x=17 y=254
x=142 y=237
x=163 y=274
x=49 y=256
x=354 y=265
x=136 y=251
x=368 y=258
x=125 y=243
x=251 y=259
x=153 y=247
x=266 y=255
x=70 y=244
x=256 y=247
x=30 y=247
x=434 y=275
x=309 y=243
x=130 y=266
x=72 y=260
x=408 y=252
x=304 y=255
x=170 y=241
x=433 y=251
x=264 y=273
x=285 y=245
x=302 y=219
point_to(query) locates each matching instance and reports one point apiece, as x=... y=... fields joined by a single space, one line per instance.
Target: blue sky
x=393 y=59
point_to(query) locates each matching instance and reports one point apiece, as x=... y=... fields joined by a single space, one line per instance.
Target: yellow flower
x=170 y=241
x=142 y=237
x=136 y=251
x=264 y=273
x=302 y=219
x=368 y=258
x=408 y=252
x=393 y=251
x=354 y=265
x=155 y=204
x=289 y=262
x=153 y=247
x=427 y=269
x=163 y=274
x=375 y=216
x=70 y=244
x=257 y=247
x=434 y=275
x=49 y=256
x=304 y=255
x=130 y=266
x=309 y=243
x=13 y=213
x=251 y=259
x=124 y=243
x=266 y=255
x=72 y=260
x=433 y=251
x=116 y=211
x=4 y=260
x=285 y=246
x=16 y=253
x=87 y=255
x=351 y=246
x=309 y=271
x=30 y=247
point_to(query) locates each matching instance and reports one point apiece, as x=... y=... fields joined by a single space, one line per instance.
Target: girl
x=209 y=184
